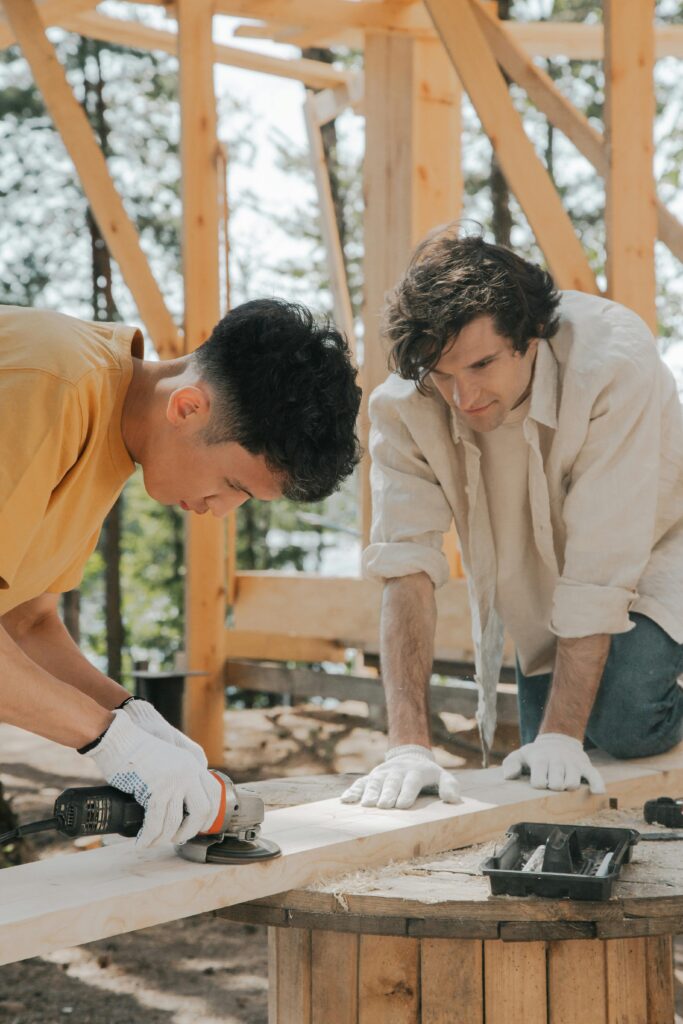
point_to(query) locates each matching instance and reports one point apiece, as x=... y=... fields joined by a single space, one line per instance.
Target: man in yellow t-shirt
x=266 y=407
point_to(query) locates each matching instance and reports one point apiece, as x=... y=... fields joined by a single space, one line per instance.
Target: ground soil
x=202 y=970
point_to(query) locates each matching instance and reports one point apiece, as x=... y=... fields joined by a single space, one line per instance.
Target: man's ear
x=188 y=406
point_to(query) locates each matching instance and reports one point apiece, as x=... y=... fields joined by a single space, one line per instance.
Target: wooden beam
x=313 y=73
x=630 y=215
x=65 y=900
x=205 y=587
x=330 y=103
x=457 y=696
x=329 y=18
x=464 y=39
x=562 y=114
x=343 y=610
x=117 y=229
x=51 y=12
x=264 y=646
x=336 y=266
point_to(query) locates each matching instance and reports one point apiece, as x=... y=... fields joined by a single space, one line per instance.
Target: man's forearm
x=37 y=629
x=408 y=622
x=35 y=700
x=579 y=665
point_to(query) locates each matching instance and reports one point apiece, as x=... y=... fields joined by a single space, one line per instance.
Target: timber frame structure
x=418 y=57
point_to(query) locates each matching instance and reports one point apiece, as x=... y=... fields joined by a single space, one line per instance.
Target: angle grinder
x=233 y=838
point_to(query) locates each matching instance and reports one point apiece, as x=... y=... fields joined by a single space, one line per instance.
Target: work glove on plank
x=180 y=796
x=554 y=761
x=146 y=716
x=406 y=772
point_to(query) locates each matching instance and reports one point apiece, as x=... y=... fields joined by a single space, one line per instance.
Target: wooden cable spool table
x=424 y=942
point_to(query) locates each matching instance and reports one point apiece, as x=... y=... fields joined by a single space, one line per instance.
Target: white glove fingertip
x=512 y=766
x=449 y=789
x=539 y=774
x=355 y=791
x=410 y=790
x=595 y=782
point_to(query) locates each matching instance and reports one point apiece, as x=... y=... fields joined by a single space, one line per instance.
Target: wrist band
x=93 y=743
x=126 y=701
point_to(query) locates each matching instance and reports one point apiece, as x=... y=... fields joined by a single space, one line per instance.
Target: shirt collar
x=544 y=387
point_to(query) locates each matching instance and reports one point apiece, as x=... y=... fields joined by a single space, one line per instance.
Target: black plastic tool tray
x=583 y=851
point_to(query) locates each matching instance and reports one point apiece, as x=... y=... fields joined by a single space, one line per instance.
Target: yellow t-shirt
x=63 y=462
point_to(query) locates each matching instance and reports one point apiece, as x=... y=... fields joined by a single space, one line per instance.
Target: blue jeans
x=638 y=711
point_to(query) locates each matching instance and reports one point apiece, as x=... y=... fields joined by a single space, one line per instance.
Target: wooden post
x=631 y=213
x=205 y=588
x=413 y=180
x=117 y=229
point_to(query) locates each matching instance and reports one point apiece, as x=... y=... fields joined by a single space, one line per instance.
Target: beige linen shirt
x=605 y=436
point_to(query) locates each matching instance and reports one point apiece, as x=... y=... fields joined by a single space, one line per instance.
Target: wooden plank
x=334 y=977
x=64 y=901
x=388 y=982
x=344 y=610
x=293 y=974
x=264 y=646
x=451 y=981
x=475 y=64
x=205 y=589
x=577 y=987
x=124 y=32
x=659 y=979
x=515 y=983
x=458 y=697
x=336 y=267
x=626 y=981
x=630 y=213
x=117 y=229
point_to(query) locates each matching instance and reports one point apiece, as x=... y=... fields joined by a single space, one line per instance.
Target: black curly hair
x=453 y=279
x=285 y=388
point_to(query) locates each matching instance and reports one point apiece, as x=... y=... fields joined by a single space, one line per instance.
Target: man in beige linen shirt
x=547 y=426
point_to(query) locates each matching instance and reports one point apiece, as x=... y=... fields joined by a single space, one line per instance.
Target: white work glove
x=406 y=772
x=554 y=761
x=180 y=797
x=146 y=716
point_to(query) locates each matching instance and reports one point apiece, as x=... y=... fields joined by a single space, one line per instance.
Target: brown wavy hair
x=453 y=279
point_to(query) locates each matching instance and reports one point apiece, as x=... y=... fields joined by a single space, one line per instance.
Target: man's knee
x=643 y=728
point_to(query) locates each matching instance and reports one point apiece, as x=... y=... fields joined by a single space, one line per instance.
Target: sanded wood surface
x=65 y=901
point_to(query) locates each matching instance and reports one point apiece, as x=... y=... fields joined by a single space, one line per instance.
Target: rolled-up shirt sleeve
x=410 y=513
x=611 y=504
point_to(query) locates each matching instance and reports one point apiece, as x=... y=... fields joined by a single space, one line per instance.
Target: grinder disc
x=227 y=850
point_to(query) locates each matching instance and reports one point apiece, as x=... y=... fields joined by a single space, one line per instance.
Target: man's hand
x=146 y=716
x=181 y=797
x=554 y=761
x=406 y=772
